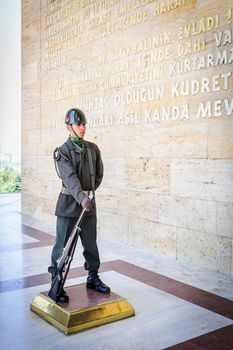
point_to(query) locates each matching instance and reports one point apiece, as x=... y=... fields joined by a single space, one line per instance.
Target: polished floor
x=177 y=306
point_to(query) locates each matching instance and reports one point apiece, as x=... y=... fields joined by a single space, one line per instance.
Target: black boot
x=94 y=282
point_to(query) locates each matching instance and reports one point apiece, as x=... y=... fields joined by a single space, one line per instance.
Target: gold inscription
x=131 y=5
x=190 y=47
x=203 y=25
x=99 y=5
x=152 y=42
x=110 y=67
x=217 y=58
x=162 y=7
x=131 y=20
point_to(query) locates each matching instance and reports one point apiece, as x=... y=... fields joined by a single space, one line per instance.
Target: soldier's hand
x=87 y=203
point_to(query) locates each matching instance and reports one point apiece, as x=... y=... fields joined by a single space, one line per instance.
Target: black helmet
x=75 y=116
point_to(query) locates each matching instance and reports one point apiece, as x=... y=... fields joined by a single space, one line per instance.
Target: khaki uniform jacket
x=77 y=179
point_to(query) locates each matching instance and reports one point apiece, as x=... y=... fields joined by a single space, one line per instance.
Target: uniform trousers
x=87 y=235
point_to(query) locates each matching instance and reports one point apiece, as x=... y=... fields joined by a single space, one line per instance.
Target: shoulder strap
x=73 y=160
x=90 y=160
x=72 y=153
x=56 y=157
x=57 y=154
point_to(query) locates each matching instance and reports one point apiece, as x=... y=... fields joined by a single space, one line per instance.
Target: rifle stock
x=55 y=288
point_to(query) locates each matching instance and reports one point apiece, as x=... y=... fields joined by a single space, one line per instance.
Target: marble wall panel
x=31 y=33
x=43 y=208
x=46 y=166
x=30 y=53
x=209 y=4
x=193 y=214
x=112 y=227
x=31 y=102
x=55 y=139
x=114 y=173
x=38 y=181
x=202 y=179
x=35 y=185
x=50 y=140
x=30 y=11
x=103 y=139
x=34 y=136
x=30 y=118
x=30 y=73
x=130 y=142
x=29 y=164
x=131 y=203
x=31 y=204
x=34 y=147
x=48 y=115
x=184 y=141
x=49 y=205
x=144 y=205
x=153 y=237
x=111 y=200
x=209 y=251
x=220 y=140
x=146 y=173
x=225 y=219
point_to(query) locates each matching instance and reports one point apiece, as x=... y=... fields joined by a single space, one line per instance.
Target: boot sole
x=90 y=286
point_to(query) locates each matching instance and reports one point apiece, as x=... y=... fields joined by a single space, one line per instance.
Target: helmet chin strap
x=75 y=132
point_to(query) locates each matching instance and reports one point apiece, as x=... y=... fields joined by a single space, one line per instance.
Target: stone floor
x=177 y=306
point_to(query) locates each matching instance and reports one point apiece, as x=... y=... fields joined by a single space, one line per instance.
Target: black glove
x=87 y=203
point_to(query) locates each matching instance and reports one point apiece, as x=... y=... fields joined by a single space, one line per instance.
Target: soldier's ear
x=68 y=127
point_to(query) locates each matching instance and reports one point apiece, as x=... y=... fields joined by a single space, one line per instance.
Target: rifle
x=63 y=263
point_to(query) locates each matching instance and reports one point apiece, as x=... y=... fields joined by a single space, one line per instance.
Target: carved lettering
x=217 y=108
x=190 y=47
x=168 y=113
x=203 y=25
x=201 y=62
x=138 y=95
x=90 y=58
x=202 y=85
x=223 y=37
x=162 y=7
x=140 y=46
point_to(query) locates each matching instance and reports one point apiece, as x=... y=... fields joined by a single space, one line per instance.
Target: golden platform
x=86 y=309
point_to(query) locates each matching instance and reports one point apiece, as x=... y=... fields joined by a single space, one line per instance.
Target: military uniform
x=74 y=170
x=81 y=172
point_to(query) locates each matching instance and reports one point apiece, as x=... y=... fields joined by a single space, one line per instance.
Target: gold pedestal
x=86 y=309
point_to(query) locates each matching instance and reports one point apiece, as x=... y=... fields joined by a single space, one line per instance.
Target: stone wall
x=155 y=80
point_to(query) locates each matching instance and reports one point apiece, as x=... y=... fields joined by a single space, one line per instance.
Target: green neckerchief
x=78 y=142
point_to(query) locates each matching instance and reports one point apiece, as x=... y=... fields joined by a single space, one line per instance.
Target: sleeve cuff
x=80 y=197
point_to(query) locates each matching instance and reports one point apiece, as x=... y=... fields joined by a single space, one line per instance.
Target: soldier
x=79 y=165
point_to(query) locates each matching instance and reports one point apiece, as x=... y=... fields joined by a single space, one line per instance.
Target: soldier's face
x=80 y=130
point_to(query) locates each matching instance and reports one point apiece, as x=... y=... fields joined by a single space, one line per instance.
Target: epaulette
x=57 y=153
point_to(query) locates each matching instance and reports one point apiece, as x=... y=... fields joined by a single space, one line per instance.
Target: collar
x=70 y=145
